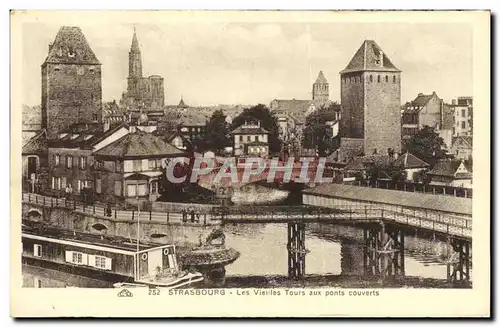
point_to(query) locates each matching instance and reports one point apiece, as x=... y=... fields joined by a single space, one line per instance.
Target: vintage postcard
x=250 y=164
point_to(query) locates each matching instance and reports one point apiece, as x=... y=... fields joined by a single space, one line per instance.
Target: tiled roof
x=71 y=47
x=37 y=144
x=365 y=162
x=249 y=130
x=408 y=161
x=466 y=140
x=420 y=101
x=139 y=144
x=192 y=118
x=448 y=168
x=321 y=78
x=367 y=58
x=436 y=202
x=82 y=135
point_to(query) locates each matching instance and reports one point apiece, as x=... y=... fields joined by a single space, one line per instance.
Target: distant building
x=71 y=82
x=451 y=173
x=370 y=101
x=34 y=160
x=292 y=113
x=461 y=147
x=31 y=122
x=425 y=110
x=411 y=165
x=462 y=113
x=250 y=139
x=145 y=93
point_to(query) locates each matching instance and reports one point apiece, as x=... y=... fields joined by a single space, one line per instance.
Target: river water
x=264 y=253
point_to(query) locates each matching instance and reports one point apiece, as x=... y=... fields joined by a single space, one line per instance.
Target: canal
x=333 y=259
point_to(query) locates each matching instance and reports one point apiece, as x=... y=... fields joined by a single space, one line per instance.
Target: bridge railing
x=116 y=214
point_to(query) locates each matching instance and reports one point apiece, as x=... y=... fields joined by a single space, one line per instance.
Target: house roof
x=37 y=144
x=321 y=78
x=71 y=47
x=465 y=140
x=193 y=118
x=419 y=102
x=449 y=168
x=83 y=135
x=139 y=144
x=450 y=204
x=368 y=58
x=294 y=108
x=249 y=129
x=365 y=162
x=408 y=161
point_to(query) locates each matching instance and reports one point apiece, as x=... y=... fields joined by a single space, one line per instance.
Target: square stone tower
x=71 y=82
x=371 y=100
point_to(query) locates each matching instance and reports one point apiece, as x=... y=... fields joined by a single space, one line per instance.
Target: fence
x=417 y=187
x=113 y=213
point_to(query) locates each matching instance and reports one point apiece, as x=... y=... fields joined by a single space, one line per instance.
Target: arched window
x=378 y=78
x=386 y=78
x=371 y=78
x=394 y=79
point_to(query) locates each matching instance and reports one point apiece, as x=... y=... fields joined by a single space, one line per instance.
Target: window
x=58 y=179
x=79 y=185
x=98 y=164
x=371 y=78
x=152 y=164
x=463 y=113
x=53 y=183
x=94 y=116
x=141 y=189
x=241 y=138
x=83 y=163
x=63 y=183
x=386 y=78
x=69 y=161
x=37 y=250
x=91 y=70
x=357 y=79
x=154 y=187
x=463 y=125
x=137 y=165
x=56 y=160
x=37 y=283
x=77 y=257
x=98 y=185
x=118 y=166
x=100 y=262
x=378 y=79
x=131 y=190
x=394 y=79
x=159 y=163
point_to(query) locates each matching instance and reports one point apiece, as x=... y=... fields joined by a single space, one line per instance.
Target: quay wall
x=177 y=233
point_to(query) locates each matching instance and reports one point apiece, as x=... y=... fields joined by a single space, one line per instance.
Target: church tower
x=71 y=82
x=371 y=100
x=321 y=91
x=134 y=69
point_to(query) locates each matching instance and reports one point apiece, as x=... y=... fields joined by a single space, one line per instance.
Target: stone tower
x=371 y=99
x=321 y=91
x=71 y=82
x=134 y=69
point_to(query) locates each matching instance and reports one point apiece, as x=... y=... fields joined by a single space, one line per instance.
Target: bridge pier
x=383 y=252
x=296 y=250
x=458 y=264
x=351 y=258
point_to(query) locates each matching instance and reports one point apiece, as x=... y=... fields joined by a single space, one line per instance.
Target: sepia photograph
x=195 y=157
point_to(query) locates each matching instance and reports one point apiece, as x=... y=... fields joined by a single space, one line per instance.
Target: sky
x=249 y=63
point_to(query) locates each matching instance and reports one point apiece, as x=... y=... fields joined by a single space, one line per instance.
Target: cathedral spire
x=134 y=57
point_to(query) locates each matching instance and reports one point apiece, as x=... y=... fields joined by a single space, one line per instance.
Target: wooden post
x=115 y=213
x=168 y=216
x=133 y=212
x=93 y=208
x=204 y=219
x=150 y=215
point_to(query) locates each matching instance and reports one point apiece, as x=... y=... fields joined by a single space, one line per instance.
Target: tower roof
x=321 y=78
x=182 y=104
x=71 y=47
x=135 y=43
x=370 y=57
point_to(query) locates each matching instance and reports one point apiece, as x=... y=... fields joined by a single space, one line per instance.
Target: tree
x=427 y=145
x=267 y=121
x=316 y=133
x=168 y=124
x=217 y=132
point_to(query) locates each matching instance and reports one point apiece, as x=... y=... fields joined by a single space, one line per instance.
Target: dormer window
x=71 y=53
x=74 y=136
x=57 y=68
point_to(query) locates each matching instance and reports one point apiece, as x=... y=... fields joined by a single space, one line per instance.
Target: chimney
x=454 y=102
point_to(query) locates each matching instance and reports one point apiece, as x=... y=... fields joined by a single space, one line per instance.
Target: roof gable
x=71 y=47
x=408 y=161
x=321 y=78
x=370 y=57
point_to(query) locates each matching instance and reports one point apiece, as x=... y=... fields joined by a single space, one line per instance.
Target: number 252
x=154 y=292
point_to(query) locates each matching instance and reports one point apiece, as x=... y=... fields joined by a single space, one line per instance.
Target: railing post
x=115 y=213
x=133 y=211
x=168 y=216
x=93 y=208
x=150 y=215
x=204 y=219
